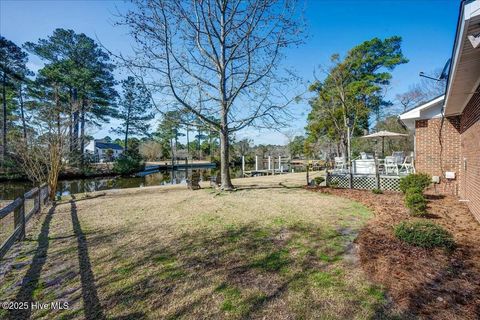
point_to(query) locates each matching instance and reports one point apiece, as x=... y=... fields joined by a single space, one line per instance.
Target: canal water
x=9 y=190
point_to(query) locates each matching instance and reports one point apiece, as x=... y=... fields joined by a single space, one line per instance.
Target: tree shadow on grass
x=91 y=303
x=245 y=268
x=32 y=277
x=266 y=187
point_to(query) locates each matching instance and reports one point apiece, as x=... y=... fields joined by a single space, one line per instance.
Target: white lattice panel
x=366 y=182
x=390 y=183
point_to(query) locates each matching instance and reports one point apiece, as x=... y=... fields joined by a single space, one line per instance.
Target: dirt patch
x=432 y=284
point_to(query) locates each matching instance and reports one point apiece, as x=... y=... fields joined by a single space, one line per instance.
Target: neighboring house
x=102 y=150
x=447 y=128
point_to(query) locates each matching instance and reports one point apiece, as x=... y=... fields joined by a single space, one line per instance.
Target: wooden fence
x=39 y=197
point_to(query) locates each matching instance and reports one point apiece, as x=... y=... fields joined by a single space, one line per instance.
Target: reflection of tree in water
x=68 y=187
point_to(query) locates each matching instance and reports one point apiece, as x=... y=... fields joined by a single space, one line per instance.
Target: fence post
x=350 y=175
x=47 y=195
x=39 y=199
x=19 y=219
x=377 y=175
x=308 y=175
x=243 y=166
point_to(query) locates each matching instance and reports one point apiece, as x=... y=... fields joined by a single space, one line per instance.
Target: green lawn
x=266 y=250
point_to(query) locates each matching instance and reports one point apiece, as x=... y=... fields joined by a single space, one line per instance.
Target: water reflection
x=12 y=190
x=151 y=179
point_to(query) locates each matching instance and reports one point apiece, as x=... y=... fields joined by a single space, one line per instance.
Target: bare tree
x=410 y=98
x=151 y=150
x=42 y=156
x=421 y=92
x=218 y=59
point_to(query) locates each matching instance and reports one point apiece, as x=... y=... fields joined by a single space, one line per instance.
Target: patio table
x=364 y=166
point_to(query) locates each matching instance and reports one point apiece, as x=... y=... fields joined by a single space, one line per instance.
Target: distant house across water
x=103 y=151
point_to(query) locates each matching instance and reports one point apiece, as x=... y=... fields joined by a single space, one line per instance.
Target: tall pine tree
x=13 y=71
x=87 y=72
x=134 y=110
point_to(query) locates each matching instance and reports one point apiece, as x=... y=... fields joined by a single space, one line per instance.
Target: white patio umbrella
x=384 y=134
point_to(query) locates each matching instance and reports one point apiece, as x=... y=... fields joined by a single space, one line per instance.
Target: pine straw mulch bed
x=420 y=283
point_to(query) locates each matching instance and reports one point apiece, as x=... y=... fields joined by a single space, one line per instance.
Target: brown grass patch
x=269 y=250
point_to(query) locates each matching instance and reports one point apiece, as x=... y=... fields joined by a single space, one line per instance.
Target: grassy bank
x=269 y=249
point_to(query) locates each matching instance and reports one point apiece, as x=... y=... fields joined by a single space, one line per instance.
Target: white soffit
x=465 y=72
x=428 y=110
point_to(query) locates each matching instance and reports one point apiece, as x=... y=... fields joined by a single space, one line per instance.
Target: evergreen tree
x=353 y=91
x=42 y=158
x=134 y=110
x=13 y=71
x=87 y=72
x=168 y=132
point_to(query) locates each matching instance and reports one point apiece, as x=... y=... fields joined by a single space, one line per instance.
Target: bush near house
x=413 y=187
x=419 y=181
x=416 y=202
x=424 y=234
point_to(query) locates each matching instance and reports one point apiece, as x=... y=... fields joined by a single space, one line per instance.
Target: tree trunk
x=210 y=146
x=188 y=142
x=224 y=161
x=127 y=124
x=224 y=148
x=200 y=155
x=70 y=123
x=55 y=147
x=176 y=144
x=82 y=133
x=4 y=98
x=188 y=154
x=22 y=113
x=75 y=120
x=172 y=156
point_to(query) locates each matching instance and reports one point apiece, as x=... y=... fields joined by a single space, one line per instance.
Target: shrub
x=127 y=164
x=319 y=180
x=417 y=180
x=413 y=190
x=416 y=202
x=424 y=234
x=333 y=184
x=377 y=191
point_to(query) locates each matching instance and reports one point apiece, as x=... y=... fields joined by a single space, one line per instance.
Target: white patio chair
x=407 y=165
x=391 y=166
x=340 y=165
x=366 y=156
x=399 y=156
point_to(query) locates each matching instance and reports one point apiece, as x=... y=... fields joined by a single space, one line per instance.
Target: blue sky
x=427 y=28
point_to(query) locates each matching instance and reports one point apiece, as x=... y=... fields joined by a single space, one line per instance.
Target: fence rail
x=39 y=197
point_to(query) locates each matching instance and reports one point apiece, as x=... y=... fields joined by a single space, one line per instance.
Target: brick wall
x=457 y=150
x=435 y=154
x=470 y=151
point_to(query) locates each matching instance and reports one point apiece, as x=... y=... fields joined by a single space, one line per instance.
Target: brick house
x=447 y=128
